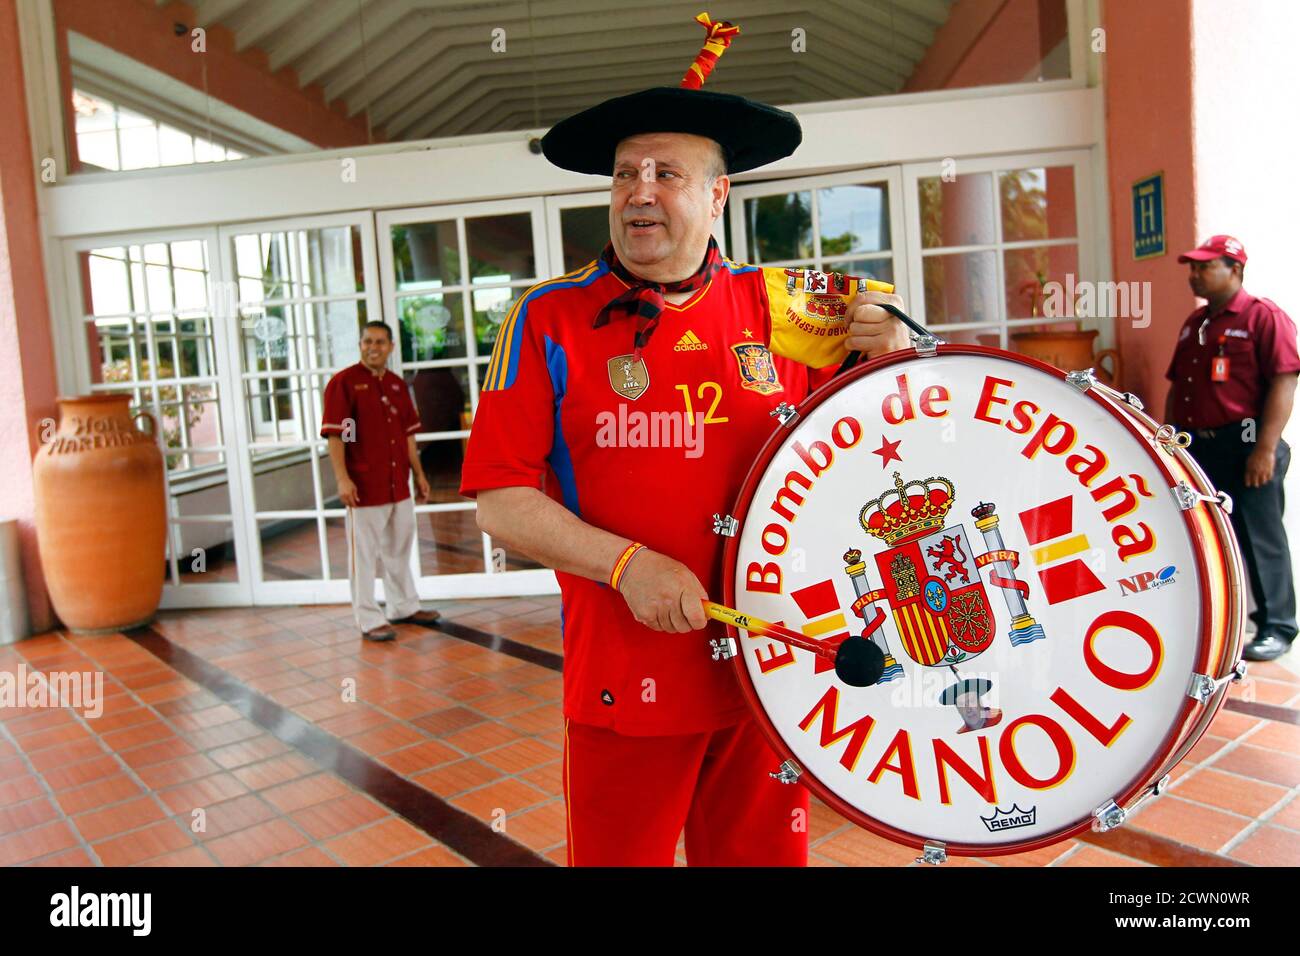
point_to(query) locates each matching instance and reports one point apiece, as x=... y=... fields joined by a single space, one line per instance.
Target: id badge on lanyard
x=1219 y=364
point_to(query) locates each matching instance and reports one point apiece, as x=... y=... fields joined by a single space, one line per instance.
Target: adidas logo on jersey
x=690 y=342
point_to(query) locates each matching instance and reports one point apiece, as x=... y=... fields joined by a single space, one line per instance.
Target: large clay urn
x=1069 y=350
x=101 y=515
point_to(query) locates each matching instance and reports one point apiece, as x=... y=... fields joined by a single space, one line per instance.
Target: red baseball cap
x=1214 y=248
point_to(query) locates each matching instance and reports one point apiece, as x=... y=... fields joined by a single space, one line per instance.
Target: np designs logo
x=1010 y=819
x=690 y=342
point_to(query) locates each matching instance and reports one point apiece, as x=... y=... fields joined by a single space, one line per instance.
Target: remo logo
x=972 y=516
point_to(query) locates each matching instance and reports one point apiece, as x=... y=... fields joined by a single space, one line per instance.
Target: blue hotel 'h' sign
x=1149 y=217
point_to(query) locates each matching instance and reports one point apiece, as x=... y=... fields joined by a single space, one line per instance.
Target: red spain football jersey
x=564 y=408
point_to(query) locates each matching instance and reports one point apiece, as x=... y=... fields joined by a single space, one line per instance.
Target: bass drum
x=1051 y=581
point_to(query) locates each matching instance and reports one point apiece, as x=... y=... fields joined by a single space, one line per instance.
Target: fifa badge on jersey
x=757 y=373
x=627 y=378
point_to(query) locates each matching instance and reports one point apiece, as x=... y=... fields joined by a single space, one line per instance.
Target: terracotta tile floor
x=171 y=774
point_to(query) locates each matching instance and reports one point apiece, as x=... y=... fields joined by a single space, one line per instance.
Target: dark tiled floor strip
x=1253 y=708
x=460 y=831
x=498 y=643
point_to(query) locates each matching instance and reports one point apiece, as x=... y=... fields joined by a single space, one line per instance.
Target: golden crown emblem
x=898 y=516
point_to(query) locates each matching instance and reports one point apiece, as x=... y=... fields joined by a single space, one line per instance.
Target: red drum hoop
x=926 y=792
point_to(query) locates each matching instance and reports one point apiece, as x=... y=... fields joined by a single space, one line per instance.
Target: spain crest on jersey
x=757 y=372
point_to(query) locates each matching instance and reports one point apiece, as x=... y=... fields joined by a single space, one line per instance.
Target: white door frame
x=287 y=592
x=485 y=583
x=74 y=358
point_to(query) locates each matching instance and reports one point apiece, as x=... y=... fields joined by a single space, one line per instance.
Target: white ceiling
x=426 y=68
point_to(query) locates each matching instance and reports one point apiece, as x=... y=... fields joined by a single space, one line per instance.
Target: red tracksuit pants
x=628 y=799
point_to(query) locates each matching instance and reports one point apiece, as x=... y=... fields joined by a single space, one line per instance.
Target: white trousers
x=380 y=539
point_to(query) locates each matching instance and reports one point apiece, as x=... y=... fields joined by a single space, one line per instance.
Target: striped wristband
x=620 y=565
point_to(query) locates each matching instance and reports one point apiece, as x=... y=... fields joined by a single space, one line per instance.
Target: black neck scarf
x=645 y=299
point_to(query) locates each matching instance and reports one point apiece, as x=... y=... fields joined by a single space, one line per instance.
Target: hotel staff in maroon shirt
x=1234 y=380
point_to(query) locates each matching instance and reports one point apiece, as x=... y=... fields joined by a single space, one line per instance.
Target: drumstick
x=858 y=661
x=754 y=625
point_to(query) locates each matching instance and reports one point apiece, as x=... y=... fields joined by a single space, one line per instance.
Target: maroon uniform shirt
x=1258 y=340
x=383 y=416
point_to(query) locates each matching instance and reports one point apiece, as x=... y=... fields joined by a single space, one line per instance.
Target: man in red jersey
x=567 y=464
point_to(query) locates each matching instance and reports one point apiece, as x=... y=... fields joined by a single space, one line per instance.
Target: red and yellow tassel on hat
x=718 y=36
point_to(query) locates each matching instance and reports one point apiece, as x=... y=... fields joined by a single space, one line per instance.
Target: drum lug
x=1202 y=687
x=788 y=772
x=1167 y=435
x=725 y=525
x=724 y=648
x=1108 y=816
x=1188 y=498
x=1082 y=379
x=926 y=345
x=933 y=853
x=786 y=413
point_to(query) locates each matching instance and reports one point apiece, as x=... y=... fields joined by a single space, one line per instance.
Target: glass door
x=449 y=276
x=299 y=292
x=147 y=322
x=845 y=222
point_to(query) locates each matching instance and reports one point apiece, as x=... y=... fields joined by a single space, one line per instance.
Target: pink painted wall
x=143 y=31
x=27 y=371
x=1148 y=68
x=987 y=42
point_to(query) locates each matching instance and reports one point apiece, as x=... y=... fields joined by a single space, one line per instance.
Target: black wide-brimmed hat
x=751 y=134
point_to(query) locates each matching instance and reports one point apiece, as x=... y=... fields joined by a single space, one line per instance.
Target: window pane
x=110 y=288
x=491 y=307
x=449 y=542
x=960 y=288
x=500 y=247
x=1038 y=204
x=1029 y=270
x=205 y=552
x=441 y=398
x=990 y=336
x=290 y=549
x=425 y=255
x=780 y=227
x=335 y=329
x=584 y=231
x=853 y=219
x=441 y=459
x=957 y=213
x=882 y=270
x=433 y=326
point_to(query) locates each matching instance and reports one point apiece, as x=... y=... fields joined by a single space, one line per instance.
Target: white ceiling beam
x=213 y=12
x=846 y=71
x=253 y=27
x=377 y=19
x=554 y=108
x=324 y=18
x=454 y=76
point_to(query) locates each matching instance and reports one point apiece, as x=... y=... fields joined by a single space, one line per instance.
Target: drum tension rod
x=1202 y=687
x=933 y=853
x=724 y=648
x=1188 y=497
x=1110 y=815
x=725 y=525
x=788 y=772
x=1084 y=379
x=785 y=412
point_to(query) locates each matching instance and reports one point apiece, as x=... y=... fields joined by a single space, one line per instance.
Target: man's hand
x=348 y=493
x=1259 y=468
x=872 y=330
x=663 y=594
x=422 y=492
